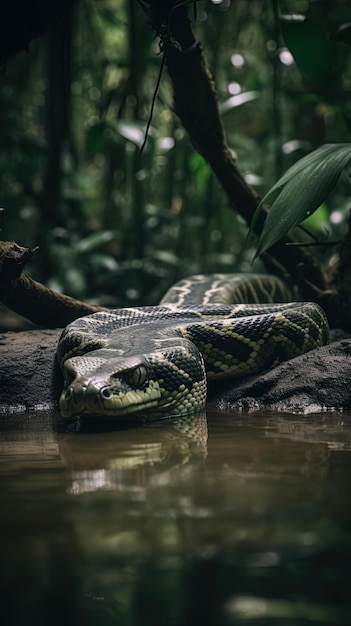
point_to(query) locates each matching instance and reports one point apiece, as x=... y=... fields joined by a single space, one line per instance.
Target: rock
x=313 y=382
x=30 y=380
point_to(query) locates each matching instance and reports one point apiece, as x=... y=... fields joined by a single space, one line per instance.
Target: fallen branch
x=33 y=300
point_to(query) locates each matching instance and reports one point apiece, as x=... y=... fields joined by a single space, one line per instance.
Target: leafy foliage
x=73 y=114
x=302 y=189
x=310 y=46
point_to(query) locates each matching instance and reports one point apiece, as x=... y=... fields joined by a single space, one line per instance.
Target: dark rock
x=316 y=381
x=30 y=379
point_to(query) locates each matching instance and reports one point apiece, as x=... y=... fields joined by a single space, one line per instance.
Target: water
x=231 y=520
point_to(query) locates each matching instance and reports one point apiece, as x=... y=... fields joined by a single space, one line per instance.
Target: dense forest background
x=116 y=225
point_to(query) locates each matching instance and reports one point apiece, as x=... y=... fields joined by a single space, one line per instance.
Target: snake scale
x=155 y=360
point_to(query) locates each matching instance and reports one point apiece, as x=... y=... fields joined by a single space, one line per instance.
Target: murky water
x=221 y=521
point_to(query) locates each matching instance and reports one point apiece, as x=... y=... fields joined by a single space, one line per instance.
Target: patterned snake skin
x=155 y=361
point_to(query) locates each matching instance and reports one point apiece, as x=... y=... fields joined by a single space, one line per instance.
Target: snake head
x=100 y=383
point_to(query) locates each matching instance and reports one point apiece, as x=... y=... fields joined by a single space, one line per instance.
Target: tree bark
x=195 y=102
x=27 y=297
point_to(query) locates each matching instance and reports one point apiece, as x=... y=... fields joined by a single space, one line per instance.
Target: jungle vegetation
x=119 y=216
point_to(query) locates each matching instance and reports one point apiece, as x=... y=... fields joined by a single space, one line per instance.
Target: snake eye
x=139 y=375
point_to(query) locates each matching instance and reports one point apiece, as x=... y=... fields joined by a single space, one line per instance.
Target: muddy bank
x=319 y=380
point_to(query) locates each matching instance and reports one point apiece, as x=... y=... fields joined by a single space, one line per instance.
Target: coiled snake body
x=156 y=360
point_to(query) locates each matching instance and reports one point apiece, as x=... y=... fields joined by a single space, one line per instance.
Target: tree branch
x=25 y=296
x=195 y=102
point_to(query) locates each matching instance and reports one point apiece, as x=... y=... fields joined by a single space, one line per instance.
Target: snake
x=156 y=361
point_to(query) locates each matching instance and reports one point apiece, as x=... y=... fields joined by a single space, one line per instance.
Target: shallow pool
x=225 y=520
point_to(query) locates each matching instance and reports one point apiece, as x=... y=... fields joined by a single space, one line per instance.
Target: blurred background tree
x=115 y=226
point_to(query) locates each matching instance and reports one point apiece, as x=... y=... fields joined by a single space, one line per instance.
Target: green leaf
x=238 y=100
x=200 y=169
x=317 y=221
x=95 y=240
x=310 y=46
x=100 y=261
x=302 y=189
x=313 y=159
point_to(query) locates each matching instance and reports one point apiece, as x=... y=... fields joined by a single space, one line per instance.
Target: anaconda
x=155 y=360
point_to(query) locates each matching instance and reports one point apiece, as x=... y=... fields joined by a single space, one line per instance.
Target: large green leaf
x=312 y=160
x=310 y=46
x=302 y=189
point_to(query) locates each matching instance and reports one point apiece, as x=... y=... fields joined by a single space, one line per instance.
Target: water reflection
x=234 y=519
x=130 y=458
